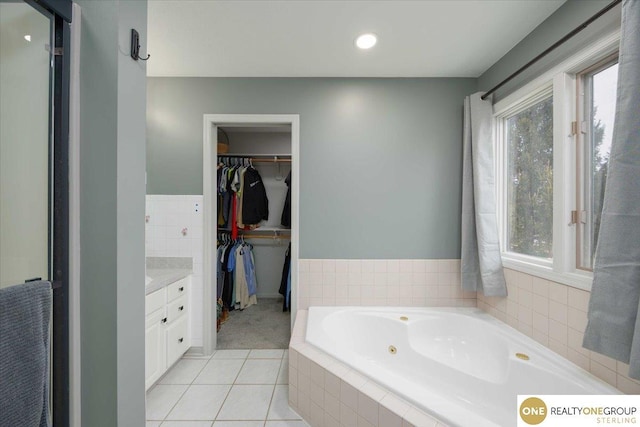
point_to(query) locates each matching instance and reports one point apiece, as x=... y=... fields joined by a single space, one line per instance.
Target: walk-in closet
x=253 y=236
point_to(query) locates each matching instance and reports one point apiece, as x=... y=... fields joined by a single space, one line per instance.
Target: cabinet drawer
x=177 y=289
x=177 y=340
x=177 y=308
x=154 y=301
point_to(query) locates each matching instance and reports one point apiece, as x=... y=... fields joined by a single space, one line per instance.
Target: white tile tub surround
x=326 y=392
x=166 y=218
x=379 y=282
x=555 y=315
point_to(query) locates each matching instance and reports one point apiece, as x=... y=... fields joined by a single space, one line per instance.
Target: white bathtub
x=458 y=364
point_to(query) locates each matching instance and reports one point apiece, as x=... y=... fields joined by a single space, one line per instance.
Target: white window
x=553 y=140
x=596 y=112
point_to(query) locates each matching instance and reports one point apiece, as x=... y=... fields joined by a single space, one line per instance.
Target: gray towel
x=24 y=355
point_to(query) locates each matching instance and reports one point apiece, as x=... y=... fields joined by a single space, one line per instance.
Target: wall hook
x=135 y=46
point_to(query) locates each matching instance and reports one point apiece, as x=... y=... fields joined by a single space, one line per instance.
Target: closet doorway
x=271 y=144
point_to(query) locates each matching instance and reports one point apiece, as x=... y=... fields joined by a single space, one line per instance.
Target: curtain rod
x=581 y=27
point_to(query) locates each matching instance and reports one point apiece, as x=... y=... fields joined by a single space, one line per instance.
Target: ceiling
x=300 y=38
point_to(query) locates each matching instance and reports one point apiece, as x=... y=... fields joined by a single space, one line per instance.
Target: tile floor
x=232 y=388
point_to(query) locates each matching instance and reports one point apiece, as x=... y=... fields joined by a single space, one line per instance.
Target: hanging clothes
x=255 y=204
x=234 y=219
x=237 y=282
x=250 y=272
x=225 y=194
x=242 y=198
x=243 y=297
x=285 y=282
x=220 y=216
x=285 y=220
x=227 y=286
x=219 y=271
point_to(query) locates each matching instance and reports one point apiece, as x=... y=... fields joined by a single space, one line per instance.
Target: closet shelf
x=265 y=236
x=263 y=158
x=271 y=235
x=270 y=229
x=261 y=233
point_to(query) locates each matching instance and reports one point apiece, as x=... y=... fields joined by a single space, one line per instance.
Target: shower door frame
x=59 y=12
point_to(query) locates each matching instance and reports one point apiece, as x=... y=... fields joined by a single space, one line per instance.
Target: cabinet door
x=178 y=341
x=155 y=347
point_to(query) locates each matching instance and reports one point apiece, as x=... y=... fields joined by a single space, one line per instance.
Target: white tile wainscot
x=555 y=315
x=380 y=282
x=167 y=216
x=326 y=392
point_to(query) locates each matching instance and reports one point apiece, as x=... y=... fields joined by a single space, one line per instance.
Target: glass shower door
x=25 y=140
x=34 y=183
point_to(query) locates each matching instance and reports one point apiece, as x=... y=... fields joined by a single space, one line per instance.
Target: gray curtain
x=481 y=264
x=614 y=325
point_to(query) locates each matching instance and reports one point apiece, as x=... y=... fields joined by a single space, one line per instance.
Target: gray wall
x=112 y=156
x=561 y=22
x=380 y=158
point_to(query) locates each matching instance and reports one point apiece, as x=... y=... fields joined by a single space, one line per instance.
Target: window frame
x=581 y=146
x=561 y=82
x=540 y=94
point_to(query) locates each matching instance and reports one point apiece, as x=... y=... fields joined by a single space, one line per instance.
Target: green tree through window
x=530 y=180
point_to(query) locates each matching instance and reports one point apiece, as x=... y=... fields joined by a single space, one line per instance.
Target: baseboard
x=195 y=351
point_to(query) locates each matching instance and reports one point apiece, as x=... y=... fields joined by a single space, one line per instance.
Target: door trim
x=75 y=386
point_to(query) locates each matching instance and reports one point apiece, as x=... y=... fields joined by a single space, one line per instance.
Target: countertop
x=162 y=277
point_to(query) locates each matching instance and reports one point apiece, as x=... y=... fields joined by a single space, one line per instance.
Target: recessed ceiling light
x=27 y=37
x=366 y=41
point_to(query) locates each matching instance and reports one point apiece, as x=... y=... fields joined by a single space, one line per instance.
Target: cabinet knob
x=180 y=339
x=181 y=288
x=164 y=320
x=181 y=308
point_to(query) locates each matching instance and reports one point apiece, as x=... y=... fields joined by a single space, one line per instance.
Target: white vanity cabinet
x=166 y=335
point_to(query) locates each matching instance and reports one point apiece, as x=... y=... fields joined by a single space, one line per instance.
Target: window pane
x=530 y=180
x=600 y=104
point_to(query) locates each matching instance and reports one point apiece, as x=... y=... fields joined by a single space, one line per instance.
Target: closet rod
x=575 y=31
